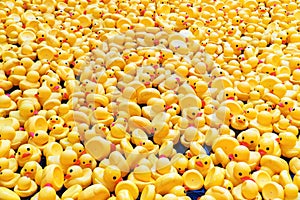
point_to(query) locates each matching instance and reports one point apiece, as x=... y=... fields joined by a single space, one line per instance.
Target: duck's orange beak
x=27 y=174
x=26 y=154
x=281 y=105
x=278 y=140
x=230 y=98
x=244 y=144
x=262 y=152
x=31 y=134
x=77 y=162
x=245 y=178
x=199 y=163
x=41 y=39
x=231 y=157
x=67 y=176
x=119 y=180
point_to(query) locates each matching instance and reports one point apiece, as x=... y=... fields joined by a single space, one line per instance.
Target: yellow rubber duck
x=109 y=177
x=8 y=163
x=32 y=170
x=27 y=152
x=268 y=145
x=47 y=98
x=154 y=107
x=203 y=163
x=117 y=133
x=239 y=122
x=221 y=116
x=25 y=111
x=25 y=187
x=9 y=194
x=238 y=192
x=6 y=151
x=141 y=176
x=8 y=178
x=16 y=137
x=262 y=122
x=180 y=162
x=148 y=144
x=77 y=175
x=249 y=138
x=31 y=81
x=65 y=159
x=40 y=139
x=101 y=115
x=238 y=172
x=72 y=138
x=242 y=154
x=46 y=192
x=288 y=144
x=162 y=167
x=7 y=106
x=58 y=131
x=79 y=149
x=285 y=105
x=282 y=125
x=17 y=74
x=191 y=134
x=292 y=116
x=162 y=133
x=87 y=161
x=55 y=120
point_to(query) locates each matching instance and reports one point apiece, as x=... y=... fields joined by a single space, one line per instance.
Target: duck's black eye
x=36 y=134
x=286 y=103
x=258 y=145
x=114 y=178
x=229 y=188
x=205 y=163
x=267 y=148
x=71 y=170
x=74 y=160
x=31 y=170
x=251 y=141
x=83 y=162
x=28 y=149
x=240 y=174
x=235 y=155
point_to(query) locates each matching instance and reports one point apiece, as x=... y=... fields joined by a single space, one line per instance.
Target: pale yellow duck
x=26 y=153
x=162 y=166
x=17 y=138
x=77 y=175
x=8 y=163
x=109 y=177
x=33 y=170
x=40 y=139
x=141 y=176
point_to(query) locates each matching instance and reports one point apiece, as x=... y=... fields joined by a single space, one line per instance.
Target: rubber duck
x=87 y=161
x=25 y=187
x=109 y=177
x=177 y=181
x=40 y=139
x=54 y=120
x=33 y=170
x=7 y=106
x=221 y=116
x=31 y=81
x=153 y=109
x=277 y=190
x=202 y=163
x=285 y=105
x=117 y=133
x=17 y=74
x=16 y=137
x=217 y=192
x=65 y=159
x=238 y=172
x=180 y=162
x=48 y=99
x=58 y=131
x=162 y=166
x=79 y=149
x=249 y=138
x=238 y=192
x=162 y=133
x=8 y=178
x=9 y=194
x=242 y=154
x=288 y=144
x=46 y=192
x=293 y=116
x=263 y=122
x=26 y=110
x=141 y=176
x=27 y=152
x=191 y=134
x=35 y=123
x=239 y=122
x=8 y=163
x=148 y=144
x=268 y=145
x=77 y=175
x=101 y=115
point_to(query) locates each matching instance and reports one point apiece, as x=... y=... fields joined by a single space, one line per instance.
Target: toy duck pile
x=140 y=99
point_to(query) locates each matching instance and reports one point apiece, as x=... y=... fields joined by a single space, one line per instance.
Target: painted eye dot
x=267 y=148
x=205 y=162
x=114 y=178
x=240 y=174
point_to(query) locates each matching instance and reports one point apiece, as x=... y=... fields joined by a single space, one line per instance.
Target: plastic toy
x=65 y=159
x=99 y=142
x=72 y=138
x=202 y=163
x=33 y=170
x=268 y=145
x=239 y=122
x=217 y=192
x=161 y=167
x=238 y=192
x=49 y=172
x=277 y=190
x=7 y=106
x=288 y=144
x=46 y=192
x=141 y=176
x=77 y=175
x=40 y=139
x=96 y=191
x=237 y=172
x=16 y=137
x=262 y=122
x=87 y=161
x=191 y=134
x=242 y=154
x=109 y=177
x=180 y=162
x=293 y=116
x=161 y=181
x=31 y=81
x=27 y=152
x=25 y=187
x=8 y=163
x=9 y=194
x=249 y=138
x=53 y=120
x=278 y=164
x=285 y=105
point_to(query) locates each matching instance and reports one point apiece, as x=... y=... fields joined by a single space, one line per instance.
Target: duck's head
x=180 y=162
x=7 y=133
x=69 y=157
x=87 y=161
x=78 y=148
x=112 y=174
x=39 y=137
x=242 y=171
x=287 y=139
x=74 y=172
x=29 y=168
x=203 y=161
x=25 y=151
x=265 y=146
x=240 y=153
